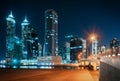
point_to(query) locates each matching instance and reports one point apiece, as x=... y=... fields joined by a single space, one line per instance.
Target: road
x=46 y=75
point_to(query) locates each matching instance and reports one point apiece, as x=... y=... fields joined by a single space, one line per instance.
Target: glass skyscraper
x=30 y=45
x=51 y=33
x=10 y=30
x=25 y=29
x=26 y=48
x=76 y=49
x=13 y=43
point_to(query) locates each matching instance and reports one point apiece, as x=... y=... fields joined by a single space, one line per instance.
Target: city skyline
x=100 y=17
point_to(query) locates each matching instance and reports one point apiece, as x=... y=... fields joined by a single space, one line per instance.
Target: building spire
x=25 y=20
x=11 y=15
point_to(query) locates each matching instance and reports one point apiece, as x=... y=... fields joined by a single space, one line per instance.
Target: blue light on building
x=10 y=38
x=51 y=33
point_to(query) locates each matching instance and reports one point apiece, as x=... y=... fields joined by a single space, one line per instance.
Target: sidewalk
x=95 y=75
x=84 y=75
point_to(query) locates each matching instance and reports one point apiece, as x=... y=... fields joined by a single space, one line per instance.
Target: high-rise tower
x=76 y=49
x=114 y=46
x=34 y=44
x=30 y=45
x=25 y=30
x=51 y=33
x=10 y=41
x=94 y=46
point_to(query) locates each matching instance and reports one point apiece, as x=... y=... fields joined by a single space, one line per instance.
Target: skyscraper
x=102 y=49
x=13 y=43
x=76 y=49
x=67 y=47
x=94 y=46
x=34 y=44
x=25 y=30
x=10 y=30
x=51 y=33
x=114 y=46
x=67 y=50
x=84 y=55
x=30 y=45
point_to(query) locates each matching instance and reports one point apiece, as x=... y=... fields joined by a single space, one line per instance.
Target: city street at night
x=60 y=40
x=47 y=75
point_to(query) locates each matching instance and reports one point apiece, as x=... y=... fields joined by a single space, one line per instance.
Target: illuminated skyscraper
x=51 y=33
x=84 y=55
x=25 y=30
x=10 y=37
x=13 y=43
x=76 y=49
x=94 y=46
x=34 y=44
x=30 y=45
x=102 y=49
x=67 y=46
x=114 y=46
x=39 y=49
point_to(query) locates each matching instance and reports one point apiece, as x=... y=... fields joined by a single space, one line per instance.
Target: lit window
x=33 y=46
x=52 y=34
x=36 y=38
x=48 y=36
x=56 y=21
x=51 y=17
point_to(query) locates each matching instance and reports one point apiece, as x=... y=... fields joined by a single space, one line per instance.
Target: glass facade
x=51 y=33
x=30 y=45
x=13 y=43
x=76 y=49
x=10 y=41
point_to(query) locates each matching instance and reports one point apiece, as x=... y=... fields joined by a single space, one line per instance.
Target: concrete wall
x=109 y=69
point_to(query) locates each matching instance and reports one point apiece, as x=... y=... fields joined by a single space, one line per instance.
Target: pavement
x=95 y=75
x=47 y=75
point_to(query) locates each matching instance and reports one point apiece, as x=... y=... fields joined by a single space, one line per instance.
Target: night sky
x=76 y=17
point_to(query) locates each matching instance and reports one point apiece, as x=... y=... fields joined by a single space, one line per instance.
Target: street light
x=93 y=37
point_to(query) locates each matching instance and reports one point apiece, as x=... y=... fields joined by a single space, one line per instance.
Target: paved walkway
x=45 y=75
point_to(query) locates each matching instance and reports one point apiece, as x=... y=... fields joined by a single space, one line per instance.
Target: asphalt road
x=46 y=75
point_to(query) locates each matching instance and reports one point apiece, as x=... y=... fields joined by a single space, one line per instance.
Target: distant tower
x=51 y=33
x=40 y=49
x=10 y=37
x=102 y=49
x=67 y=49
x=94 y=47
x=76 y=49
x=30 y=45
x=84 y=48
x=114 y=46
x=34 y=44
x=25 y=30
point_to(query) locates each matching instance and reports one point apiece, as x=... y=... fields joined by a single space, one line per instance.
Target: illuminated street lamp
x=93 y=38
